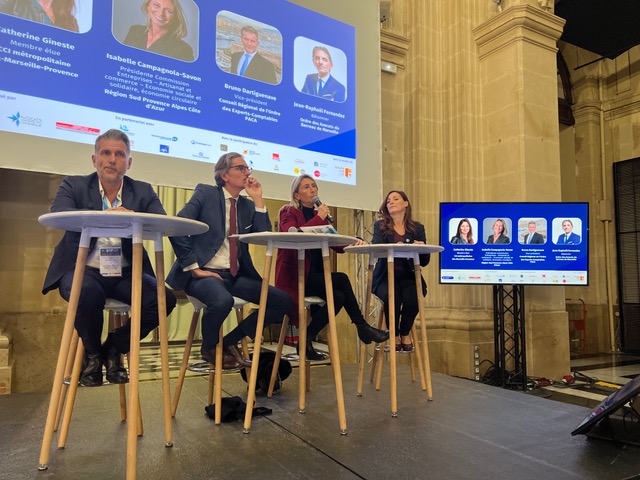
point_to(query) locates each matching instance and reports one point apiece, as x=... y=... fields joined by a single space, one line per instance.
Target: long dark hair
x=470 y=234
x=64 y=11
x=386 y=222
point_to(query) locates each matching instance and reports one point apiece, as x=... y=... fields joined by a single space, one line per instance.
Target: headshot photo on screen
x=162 y=27
x=320 y=70
x=497 y=231
x=532 y=231
x=72 y=15
x=567 y=231
x=248 y=48
x=462 y=231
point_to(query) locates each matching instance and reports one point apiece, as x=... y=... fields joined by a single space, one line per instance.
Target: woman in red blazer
x=302 y=212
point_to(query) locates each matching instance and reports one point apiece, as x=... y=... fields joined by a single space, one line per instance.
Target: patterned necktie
x=245 y=62
x=233 y=242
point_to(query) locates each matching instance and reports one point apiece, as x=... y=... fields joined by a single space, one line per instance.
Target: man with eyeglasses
x=214 y=268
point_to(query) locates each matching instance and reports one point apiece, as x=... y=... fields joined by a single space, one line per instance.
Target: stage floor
x=469 y=431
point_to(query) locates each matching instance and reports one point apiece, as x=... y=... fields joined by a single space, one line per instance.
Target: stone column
x=520 y=151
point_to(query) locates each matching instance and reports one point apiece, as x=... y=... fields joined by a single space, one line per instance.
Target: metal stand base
x=509 y=336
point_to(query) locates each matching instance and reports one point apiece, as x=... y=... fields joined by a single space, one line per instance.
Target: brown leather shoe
x=234 y=351
x=229 y=362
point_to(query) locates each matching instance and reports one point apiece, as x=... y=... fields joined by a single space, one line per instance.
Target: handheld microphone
x=317 y=202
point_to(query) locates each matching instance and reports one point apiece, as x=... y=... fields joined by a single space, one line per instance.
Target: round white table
x=137 y=226
x=391 y=251
x=301 y=242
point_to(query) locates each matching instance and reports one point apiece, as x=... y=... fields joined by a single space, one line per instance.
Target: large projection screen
x=340 y=141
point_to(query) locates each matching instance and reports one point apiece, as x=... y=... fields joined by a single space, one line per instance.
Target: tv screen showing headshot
x=514 y=243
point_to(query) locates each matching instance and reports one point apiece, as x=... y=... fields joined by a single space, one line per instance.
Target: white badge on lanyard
x=111 y=262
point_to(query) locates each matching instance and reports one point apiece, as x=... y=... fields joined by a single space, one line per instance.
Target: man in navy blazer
x=322 y=84
x=203 y=268
x=533 y=236
x=106 y=189
x=568 y=237
x=257 y=67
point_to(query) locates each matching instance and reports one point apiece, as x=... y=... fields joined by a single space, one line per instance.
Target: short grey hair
x=113 y=134
x=223 y=165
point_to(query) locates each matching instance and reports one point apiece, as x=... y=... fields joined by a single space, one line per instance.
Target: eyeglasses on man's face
x=242 y=168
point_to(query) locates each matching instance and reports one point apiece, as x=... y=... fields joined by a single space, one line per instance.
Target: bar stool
x=215 y=374
x=379 y=350
x=118 y=315
x=308 y=302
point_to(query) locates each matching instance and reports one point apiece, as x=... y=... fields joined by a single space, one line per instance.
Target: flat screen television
x=609 y=405
x=514 y=243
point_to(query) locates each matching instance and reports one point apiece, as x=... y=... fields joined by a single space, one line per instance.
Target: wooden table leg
x=253 y=378
x=392 y=333
x=302 y=336
x=164 y=342
x=276 y=361
x=134 y=353
x=67 y=333
x=71 y=394
x=367 y=310
x=423 y=325
x=333 y=340
x=73 y=349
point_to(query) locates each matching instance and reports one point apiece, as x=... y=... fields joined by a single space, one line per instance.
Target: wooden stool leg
x=67 y=374
x=361 y=367
x=211 y=385
x=185 y=362
x=307 y=363
x=218 y=380
x=276 y=361
x=412 y=368
x=115 y=321
x=381 y=365
x=243 y=342
x=378 y=353
x=363 y=346
x=123 y=402
x=418 y=354
x=71 y=396
x=140 y=426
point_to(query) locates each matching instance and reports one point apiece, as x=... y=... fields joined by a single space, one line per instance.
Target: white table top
x=120 y=224
x=400 y=250
x=296 y=240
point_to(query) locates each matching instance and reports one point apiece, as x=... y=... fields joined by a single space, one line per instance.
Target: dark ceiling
x=605 y=27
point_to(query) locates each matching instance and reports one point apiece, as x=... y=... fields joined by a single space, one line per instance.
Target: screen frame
x=444 y=242
x=28 y=152
x=609 y=405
